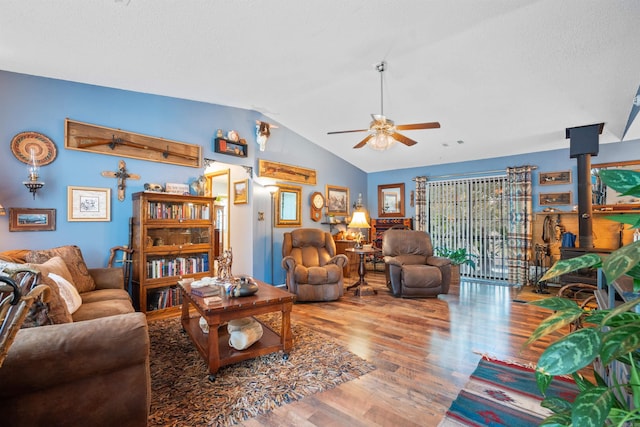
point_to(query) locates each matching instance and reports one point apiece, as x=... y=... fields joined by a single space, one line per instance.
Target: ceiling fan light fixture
x=381 y=141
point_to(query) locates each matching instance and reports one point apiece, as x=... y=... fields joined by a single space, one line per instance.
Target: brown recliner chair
x=314 y=271
x=411 y=268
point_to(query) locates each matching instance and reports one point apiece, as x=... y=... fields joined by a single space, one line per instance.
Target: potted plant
x=609 y=339
x=458 y=257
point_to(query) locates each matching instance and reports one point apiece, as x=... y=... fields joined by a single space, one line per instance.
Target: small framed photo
x=337 y=200
x=553 y=178
x=552 y=199
x=88 y=204
x=241 y=192
x=24 y=219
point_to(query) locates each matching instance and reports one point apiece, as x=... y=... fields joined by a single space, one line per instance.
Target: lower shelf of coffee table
x=269 y=343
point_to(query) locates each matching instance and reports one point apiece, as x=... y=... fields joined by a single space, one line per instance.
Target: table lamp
x=359 y=221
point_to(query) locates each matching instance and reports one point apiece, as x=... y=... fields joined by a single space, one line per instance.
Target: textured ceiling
x=506 y=77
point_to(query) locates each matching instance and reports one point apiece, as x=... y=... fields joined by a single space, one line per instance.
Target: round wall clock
x=44 y=149
x=317 y=203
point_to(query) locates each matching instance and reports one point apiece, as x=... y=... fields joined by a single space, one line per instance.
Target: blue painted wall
x=547 y=161
x=39 y=104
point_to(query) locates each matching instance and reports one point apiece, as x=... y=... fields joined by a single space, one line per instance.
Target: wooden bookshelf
x=173 y=238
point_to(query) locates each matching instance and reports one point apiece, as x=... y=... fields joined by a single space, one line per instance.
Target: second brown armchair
x=313 y=270
x=411 y=268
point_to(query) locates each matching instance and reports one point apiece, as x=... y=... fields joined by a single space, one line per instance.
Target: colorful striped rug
x=503 y=394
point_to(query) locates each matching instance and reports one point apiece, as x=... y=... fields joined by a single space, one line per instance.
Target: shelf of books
x=172 y=239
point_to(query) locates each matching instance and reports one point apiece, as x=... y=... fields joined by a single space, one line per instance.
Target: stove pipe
x=584 y=144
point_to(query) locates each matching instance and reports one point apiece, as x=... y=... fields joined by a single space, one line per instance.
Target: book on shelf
x=206 y=291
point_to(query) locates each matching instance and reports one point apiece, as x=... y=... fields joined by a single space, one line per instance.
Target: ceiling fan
x=382 y=131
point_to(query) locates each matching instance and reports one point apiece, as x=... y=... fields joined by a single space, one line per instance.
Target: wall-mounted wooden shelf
x=230 y=148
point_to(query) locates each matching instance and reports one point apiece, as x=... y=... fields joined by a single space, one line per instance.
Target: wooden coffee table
x=214 y=347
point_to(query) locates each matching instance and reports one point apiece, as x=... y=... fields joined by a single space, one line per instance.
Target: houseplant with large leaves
x=458 y=257
x=609 y=337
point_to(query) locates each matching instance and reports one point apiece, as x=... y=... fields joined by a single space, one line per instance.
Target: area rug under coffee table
x=503 y=394
x=182 y=395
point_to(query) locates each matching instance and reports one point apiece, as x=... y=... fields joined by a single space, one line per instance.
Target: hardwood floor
x=424 y=350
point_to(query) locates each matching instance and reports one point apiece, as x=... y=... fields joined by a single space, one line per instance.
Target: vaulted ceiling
x=502 y=77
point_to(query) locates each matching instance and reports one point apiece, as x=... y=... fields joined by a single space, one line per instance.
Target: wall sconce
x=34 y=170
x=3 y=211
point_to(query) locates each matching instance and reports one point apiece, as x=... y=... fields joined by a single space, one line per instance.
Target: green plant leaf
x=620 y=309
x=557 y=420
x=554 y=322
x=556 y=404
x=620 y=319
x=632 y=219
x=620 y=341
x=571 y=353
x=543 y=380
x=596 y=316
x=621 y=260
x=567 y=265
x=621 y=180
x=555 y=303
x=591 y=407
x=582 y=382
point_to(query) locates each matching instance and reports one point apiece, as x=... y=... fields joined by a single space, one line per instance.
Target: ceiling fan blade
x=363 y=142
x=347 y=131
x=403 y=139
x=431 y=125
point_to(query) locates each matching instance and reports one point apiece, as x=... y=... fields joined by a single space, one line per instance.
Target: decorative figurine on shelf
x=224 y=265
x=199 y=186
x=232 y=135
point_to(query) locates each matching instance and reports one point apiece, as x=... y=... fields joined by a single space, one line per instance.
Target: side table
x=362 y=287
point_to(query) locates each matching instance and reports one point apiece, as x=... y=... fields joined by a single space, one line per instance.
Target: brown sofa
x=87 y=368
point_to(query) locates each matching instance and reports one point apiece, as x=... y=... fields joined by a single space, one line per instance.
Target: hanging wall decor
x=117 y=142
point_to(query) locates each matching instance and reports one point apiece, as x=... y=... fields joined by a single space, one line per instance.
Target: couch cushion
x=72 y=257
x=421 y=276
x=105 y=295
x=94 y=310
x=57 y=310
x=330 y=273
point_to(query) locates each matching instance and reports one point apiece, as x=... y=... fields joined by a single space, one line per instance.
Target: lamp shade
x=359 y=220
x=2 y=210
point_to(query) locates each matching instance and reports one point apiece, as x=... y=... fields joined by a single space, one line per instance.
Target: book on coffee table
x=206 y=291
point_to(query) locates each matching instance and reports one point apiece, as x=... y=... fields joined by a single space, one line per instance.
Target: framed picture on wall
x=552 y=199
x=88 y=204
x=337 y=200
x=25 y=219
x=241 y=192
x=554 y=178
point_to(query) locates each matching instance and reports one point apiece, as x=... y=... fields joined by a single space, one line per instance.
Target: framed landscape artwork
x=241 y=192
x=337 y=200
x=24 y=219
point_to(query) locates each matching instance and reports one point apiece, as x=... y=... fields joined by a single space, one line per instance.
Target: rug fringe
x=528 y=365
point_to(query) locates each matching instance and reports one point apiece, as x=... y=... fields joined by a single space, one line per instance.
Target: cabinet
x=352 y=265
x=172 y=238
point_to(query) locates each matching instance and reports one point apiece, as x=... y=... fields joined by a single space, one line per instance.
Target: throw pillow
x=68 y=293
x=72 y=257
x=56 y=307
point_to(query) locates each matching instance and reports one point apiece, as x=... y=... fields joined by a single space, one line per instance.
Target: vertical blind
x=471 y=213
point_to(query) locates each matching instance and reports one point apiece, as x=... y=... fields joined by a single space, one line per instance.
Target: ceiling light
x=381 y=141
